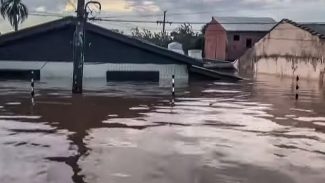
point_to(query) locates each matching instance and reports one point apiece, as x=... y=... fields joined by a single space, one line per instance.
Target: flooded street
x=245 y=132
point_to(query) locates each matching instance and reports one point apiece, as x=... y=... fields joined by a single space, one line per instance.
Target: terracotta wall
x=220 y=45
x=236 y=49
x=215 y=42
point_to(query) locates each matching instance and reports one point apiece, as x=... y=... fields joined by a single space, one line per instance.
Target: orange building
x=227 y=38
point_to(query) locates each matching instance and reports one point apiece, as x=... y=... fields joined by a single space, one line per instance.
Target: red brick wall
x=236 y=49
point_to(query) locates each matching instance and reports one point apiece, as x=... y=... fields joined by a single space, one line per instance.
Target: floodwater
x=245 y=132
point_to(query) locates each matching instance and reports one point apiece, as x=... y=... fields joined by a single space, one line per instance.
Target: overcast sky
x=180 y=10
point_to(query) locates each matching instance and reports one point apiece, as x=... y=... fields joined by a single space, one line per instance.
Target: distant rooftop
x=261 y=24
x=318 y=27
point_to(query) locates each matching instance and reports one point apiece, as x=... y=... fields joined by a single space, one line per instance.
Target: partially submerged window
x=150 y=76
x=13 y=74
x=236 y=38
x=249 y=43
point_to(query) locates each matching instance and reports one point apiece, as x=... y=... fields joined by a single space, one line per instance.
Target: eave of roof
x=245 y=24
x=41 y=28
x=142 y=45
x=301 y=26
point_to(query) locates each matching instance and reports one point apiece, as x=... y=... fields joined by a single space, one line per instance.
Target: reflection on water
x=251 y=131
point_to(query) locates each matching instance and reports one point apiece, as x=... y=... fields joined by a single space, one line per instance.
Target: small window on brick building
x=236 y=38
x=249 y=43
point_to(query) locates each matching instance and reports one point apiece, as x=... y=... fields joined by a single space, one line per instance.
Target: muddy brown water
x=245 y=132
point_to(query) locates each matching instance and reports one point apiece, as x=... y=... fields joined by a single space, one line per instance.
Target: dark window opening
x=10 y=74
x=150 y=76
x=236 y=38
x=249 y=43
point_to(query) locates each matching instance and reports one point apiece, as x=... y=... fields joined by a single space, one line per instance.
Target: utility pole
x=81 y=8
x=164 y=23
x=78 y=48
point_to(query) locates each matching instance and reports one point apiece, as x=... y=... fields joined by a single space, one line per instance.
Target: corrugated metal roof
x=318 y=27
x=262 y=24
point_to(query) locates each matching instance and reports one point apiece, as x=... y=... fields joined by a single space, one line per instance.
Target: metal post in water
x=79 y=44
x=173 y=89
x=297 y=87
x=78 y=48
x=32 y=84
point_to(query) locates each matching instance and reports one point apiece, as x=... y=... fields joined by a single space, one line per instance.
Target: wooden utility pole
x=81 y=8
x=164 y=23
x=78 y=48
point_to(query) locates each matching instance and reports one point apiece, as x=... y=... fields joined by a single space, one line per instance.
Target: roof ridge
x=42 y=27
x=241 y=17
x=261 y=24
x=144 y=44
x=304 y=27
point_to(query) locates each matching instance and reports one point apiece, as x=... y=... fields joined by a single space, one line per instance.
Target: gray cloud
x=286 y=8
x=275 y=8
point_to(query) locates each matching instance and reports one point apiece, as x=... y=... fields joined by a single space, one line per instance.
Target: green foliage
x=117 y=31
x=15 y=11
x=152 y=37
x=183 y=34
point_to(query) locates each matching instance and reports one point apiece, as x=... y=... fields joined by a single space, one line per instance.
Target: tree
x=117 y=31
x=159 y=38
x=15 y=11
x=185 y=35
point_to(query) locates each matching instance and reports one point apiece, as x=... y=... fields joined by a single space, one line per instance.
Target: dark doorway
x=249 y=43
x=151 y=76
x=236 y=38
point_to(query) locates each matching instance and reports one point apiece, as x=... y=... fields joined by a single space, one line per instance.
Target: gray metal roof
x=260 y=24
x=318 y=27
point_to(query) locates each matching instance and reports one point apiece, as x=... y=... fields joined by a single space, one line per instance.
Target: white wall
x=287 y=51
x=289 y=40
x=304 y=68
x=63 y=70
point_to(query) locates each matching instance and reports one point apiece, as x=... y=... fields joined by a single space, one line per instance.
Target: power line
x=126 y=16
x=176 y=22
x=111 y=19
x=44 y=15
x=178 y=13
x=160 y=15
x=47 y=14
x=51 y=14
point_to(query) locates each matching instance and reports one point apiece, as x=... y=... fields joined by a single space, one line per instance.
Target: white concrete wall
x=287 y=51
x=305 y=69
x=289 y=40
x=64 y=70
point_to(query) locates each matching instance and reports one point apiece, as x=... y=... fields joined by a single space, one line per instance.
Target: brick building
x=227 y=38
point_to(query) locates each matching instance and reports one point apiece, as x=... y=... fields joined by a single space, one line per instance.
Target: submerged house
x=289 y=50
x=227 y=38
x=47 y=49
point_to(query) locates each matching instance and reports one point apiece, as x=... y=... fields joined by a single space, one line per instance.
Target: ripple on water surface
x=216 y=132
